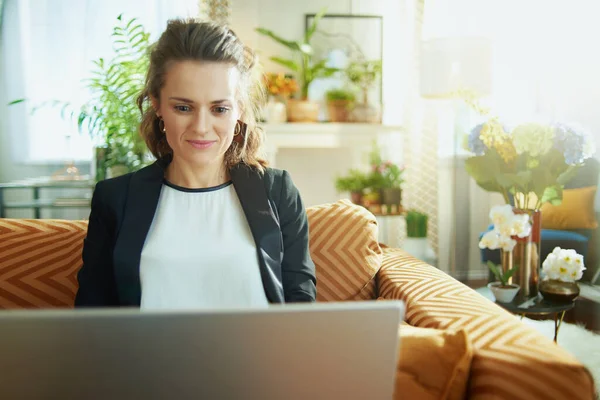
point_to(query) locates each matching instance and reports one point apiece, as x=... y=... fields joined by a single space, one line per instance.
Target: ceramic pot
x=339 y=110
x=302 y=111
x=416 y=247
x=366 y=113
x=557 y=291
x=391 y=196
x=356 y=197
x=276 y=112
x=503 y=294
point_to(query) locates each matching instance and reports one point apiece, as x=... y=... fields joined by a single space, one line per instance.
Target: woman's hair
x=191 y=40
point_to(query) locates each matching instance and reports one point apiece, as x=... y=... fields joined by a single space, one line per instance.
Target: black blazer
x=122 y=211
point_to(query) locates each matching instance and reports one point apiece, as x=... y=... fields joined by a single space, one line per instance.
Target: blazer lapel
x=142 y=200
x=251 y=191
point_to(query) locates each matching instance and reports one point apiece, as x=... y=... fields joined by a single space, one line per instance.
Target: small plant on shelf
x=354 y=182
x=339 y=104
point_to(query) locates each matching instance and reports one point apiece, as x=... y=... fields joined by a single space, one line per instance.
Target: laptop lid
x=295 y=351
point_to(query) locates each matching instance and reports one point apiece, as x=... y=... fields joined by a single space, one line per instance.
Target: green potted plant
x=364 y=73
x=339 y=104
x=387 y=178
x=354 y=183
x=416 y=234
x=111 y=116
x=306 y=67
x=503 y=291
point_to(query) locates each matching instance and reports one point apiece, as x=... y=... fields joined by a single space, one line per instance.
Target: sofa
x=498 y=356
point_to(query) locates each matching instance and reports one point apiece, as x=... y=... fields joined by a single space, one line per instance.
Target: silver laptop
x=297 y=351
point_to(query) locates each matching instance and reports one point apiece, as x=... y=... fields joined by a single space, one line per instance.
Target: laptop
x=345 y=350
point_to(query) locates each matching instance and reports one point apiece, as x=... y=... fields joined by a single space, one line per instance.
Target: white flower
x=521 y=226
x=507 y=243
x=490 y=240
x=501 y=214
x=563 y=265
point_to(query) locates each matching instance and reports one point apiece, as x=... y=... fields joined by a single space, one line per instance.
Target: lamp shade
x=450 y=64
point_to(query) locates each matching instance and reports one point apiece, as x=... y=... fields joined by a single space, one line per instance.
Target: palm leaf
x=287 y=63
x=295 y=46
x=313 y=26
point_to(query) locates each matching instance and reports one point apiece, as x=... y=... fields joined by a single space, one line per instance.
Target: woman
x=207 y=225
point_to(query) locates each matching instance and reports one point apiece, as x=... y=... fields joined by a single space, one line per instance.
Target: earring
x=163 y=129
x=239 y=132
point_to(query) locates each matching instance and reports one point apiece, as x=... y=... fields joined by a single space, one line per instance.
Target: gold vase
x=526 y=255
x=556 y=291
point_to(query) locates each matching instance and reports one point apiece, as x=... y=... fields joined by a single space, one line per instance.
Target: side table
x=539 y=306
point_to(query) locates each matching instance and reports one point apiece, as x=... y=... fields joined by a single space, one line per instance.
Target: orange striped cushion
x=39 y=260
x=510 y=359
x=345 y=250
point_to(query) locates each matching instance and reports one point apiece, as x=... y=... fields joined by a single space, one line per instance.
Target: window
x=47 y=52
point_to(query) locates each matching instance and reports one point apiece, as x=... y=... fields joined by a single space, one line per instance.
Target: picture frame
x=342 y=38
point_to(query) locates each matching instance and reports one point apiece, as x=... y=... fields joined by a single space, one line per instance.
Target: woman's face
x=199 y=109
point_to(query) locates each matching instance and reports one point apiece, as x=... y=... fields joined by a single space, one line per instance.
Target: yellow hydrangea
x=493 y=136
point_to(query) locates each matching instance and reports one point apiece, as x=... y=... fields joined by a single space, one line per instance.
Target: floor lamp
x=448 y=67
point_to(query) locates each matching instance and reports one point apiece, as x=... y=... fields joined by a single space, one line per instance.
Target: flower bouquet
x=529 y=165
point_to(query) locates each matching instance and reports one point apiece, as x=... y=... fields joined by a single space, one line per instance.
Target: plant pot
x=366 y=113
x=416 y=247
x=356 y=197
x=371 y=198
x=302 y=111
x=503 y=294
x=339 y=110
x=560 y=292
x=276 y=112
x=391 y=196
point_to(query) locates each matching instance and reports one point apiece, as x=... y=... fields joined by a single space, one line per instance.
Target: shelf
x=50 y=203
x=329 y=128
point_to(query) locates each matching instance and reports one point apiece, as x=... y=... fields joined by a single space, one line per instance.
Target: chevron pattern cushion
x=345 y=250
x=39 y=260
x=510 y=359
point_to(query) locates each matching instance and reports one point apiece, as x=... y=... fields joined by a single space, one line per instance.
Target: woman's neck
x=195 y=177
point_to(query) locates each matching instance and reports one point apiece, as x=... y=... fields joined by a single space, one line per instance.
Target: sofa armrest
x=510 y=359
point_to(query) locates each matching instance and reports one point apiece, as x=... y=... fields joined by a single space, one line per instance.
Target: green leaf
x=567 y=175
x=552 y=195
x=313 y=26
x=18 y=101
x=495 y=270
x=287 y=63
x=508 y=274
x=295 y=46
x=541 y=179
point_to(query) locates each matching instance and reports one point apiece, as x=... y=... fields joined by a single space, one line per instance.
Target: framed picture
x=342 y=39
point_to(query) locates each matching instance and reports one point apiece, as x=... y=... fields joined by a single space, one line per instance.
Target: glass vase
x=526 y=255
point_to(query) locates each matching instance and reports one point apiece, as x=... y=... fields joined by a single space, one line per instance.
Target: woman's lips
x=201 y=144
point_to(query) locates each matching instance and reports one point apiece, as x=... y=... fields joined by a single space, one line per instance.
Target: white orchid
x=563 y=265
x=507 y=225
x=501 y=215
x=490 y=240
x=507 y=243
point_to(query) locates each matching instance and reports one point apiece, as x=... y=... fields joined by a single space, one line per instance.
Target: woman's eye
x=183 y=108
x=221 y=110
